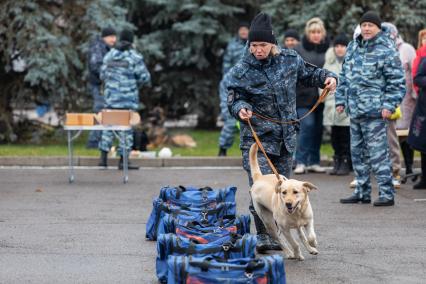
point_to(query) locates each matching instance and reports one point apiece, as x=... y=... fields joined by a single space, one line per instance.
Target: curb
x=62 y=161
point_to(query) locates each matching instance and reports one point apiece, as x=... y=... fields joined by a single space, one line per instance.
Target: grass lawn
x=207 y=145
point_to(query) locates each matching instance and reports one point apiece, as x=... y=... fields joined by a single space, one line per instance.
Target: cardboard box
x=85 y=119
x=116 y=117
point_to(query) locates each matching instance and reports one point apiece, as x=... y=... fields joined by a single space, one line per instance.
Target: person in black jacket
x=99 y=46
x=417 y=135
x=312 y=49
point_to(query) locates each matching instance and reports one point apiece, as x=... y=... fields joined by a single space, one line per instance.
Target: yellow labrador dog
x=283 y=208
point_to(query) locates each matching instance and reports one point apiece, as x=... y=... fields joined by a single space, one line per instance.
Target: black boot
x=129 y=165
x=422 y=183
x=222 y=152
x=336 y=164
x=344 y=166
x=264 y=241
x=408 y=155
x=408 y=169
x=103 y=162
x=355 y=199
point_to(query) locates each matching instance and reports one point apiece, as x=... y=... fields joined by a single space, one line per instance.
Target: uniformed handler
x=264 y=81
x=371 y=86
x=123 y=72
x=234 y=52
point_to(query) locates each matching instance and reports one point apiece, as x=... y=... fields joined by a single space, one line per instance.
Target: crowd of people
x=371 y=81
x=377 y=85
x=395 y=83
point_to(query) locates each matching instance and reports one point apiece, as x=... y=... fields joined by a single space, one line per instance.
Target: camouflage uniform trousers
x=108 y=138
x=98 y=105
x=227 y=134
x=370 y=151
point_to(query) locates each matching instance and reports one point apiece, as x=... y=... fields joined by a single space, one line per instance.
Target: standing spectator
x=264 y=81
x=291 y=38
x=393 y=140
x=371 y=87
x=98 y=48
x=421 y=50
x=312 y=49
x=407 y=53
x=417 y=134
x=123 y=71
x=339 y=122
x=233 y=53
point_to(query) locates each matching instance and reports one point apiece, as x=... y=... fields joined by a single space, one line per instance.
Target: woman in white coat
x=339 y=122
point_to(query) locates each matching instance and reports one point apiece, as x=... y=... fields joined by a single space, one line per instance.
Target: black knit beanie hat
x=108 y=31
x=341 y=39
x=371 y=17
x=261 y=29
x=126 y=35
x=291 y=33
x=244 y=24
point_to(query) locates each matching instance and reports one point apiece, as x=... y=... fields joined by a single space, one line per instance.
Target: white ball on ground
x=165 y=153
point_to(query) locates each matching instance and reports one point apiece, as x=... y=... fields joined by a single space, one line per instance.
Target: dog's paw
x=290 y=256
x=300 y=258
x=313 y=251
x=313 y=243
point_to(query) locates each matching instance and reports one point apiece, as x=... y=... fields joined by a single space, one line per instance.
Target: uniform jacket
x=233 y=53
x=123 y=72
x=331 y=116
x=268 y=87
x=97 y=50
x=372 y=78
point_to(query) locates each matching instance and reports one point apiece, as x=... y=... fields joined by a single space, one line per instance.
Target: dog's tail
x=254 y=164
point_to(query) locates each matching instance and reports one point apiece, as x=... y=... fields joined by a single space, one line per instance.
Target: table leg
x=125 y=157
x=70 y=158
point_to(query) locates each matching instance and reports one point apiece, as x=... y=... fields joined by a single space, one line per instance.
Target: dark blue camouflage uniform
x=233 y=53
x=123 y=72
x=372 y=79
x=97 y=50
x=268 y=87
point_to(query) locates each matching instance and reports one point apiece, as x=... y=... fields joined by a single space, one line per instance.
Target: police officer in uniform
x=264 y=81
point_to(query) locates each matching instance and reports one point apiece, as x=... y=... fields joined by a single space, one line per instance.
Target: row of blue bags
x=200 y=239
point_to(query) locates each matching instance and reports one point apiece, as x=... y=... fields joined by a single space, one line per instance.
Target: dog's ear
x=308 y=186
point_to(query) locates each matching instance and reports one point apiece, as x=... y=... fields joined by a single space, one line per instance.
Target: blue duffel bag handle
x=226 y=247
x=181 y=189
x=250 y=267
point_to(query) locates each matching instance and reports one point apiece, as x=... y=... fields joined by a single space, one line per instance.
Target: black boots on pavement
x=222 y=152
x=341 y=166
x=355 y=199
x=129 y=165
x=264 y=240
x=103 y=162
x=422 y=183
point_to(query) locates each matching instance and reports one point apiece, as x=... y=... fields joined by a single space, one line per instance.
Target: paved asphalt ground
x=93 y=230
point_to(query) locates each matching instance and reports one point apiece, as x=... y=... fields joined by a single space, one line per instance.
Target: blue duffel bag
x=209 y=270
x=207 y=213
x=194 y=195
x=204 y=233
x=229 y=247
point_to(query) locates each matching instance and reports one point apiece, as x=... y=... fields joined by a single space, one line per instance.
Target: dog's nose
x=289 y=205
